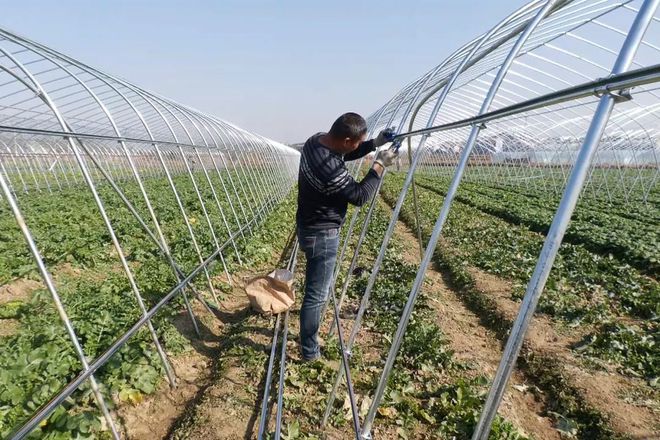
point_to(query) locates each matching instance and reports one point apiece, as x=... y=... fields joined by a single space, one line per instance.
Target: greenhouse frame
x=560 y=99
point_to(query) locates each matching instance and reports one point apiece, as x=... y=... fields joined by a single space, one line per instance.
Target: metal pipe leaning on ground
x=335 y=323
x=280 y=389
x=376 y=267
x=345 y=356
x=365 y=297
x=263 y=419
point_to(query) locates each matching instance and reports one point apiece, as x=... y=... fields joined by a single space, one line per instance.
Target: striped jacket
x=325 y=187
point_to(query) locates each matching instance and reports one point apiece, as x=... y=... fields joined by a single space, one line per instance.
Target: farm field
x=600 y=306
x=152 y=281
x=94 y=294
x=37 y=358
x=593 y=281
x=433 y=392
x=601 y=309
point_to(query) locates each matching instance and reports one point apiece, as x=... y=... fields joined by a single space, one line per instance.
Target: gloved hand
x=385 y=158
x=384 y=137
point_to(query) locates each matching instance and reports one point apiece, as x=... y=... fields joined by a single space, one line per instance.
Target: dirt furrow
x=479 y=348
x=228 y=407
x=605 y=403
x=606 y=390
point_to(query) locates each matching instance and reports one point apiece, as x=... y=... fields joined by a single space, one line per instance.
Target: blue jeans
x=320 y=247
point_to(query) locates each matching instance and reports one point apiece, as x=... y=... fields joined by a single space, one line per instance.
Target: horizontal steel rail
x=597 y=88
x=99 y=137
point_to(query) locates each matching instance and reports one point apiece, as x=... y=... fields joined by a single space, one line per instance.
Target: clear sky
x=285 y=69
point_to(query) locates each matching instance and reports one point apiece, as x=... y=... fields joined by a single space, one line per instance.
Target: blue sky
x=285 y=69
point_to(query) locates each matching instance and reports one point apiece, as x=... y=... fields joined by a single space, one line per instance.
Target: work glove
x=384 y=137
x=385 y=158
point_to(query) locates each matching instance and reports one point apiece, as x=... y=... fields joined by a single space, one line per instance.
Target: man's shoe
x=349 y=313
x=304 y=360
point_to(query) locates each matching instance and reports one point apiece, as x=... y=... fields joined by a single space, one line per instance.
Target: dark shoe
x=305 y=360
x=349 y=313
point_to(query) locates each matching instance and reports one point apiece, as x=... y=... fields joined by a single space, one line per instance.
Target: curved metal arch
x=527 y=85
x=209 y=125
x=540 y=14
x=107 y=81
x=200 y=199
x=52 y=90
x=586 y=9
x=136 y=175
x=539 y=125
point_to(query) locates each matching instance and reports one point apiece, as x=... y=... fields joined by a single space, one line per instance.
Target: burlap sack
x=272 y=293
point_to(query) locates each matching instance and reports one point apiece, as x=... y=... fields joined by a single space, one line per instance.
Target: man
x=325 y=188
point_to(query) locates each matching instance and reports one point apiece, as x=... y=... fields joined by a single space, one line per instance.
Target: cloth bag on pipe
x=272 y=293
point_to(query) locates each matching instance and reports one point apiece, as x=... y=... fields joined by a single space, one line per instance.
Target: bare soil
x=9 y=327
x=230 y=406
x=226 y=407
x=156 y=416
x=629 y=405
x=603 y=390
x=219 y=396
x=18 y=290
x=153 y=417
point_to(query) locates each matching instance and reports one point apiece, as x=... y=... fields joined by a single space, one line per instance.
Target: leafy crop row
x=611 y=190
x=565 y=402
x=634 y=242
x=428 y=387
x=583 y=286
x=68 y=228
x=37 y=359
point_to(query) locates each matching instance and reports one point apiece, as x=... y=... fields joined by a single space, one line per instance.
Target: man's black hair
x=349 y=125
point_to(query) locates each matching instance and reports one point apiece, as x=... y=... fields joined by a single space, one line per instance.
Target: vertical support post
x=161 y=242
x=263 y=419
x=219 y=205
